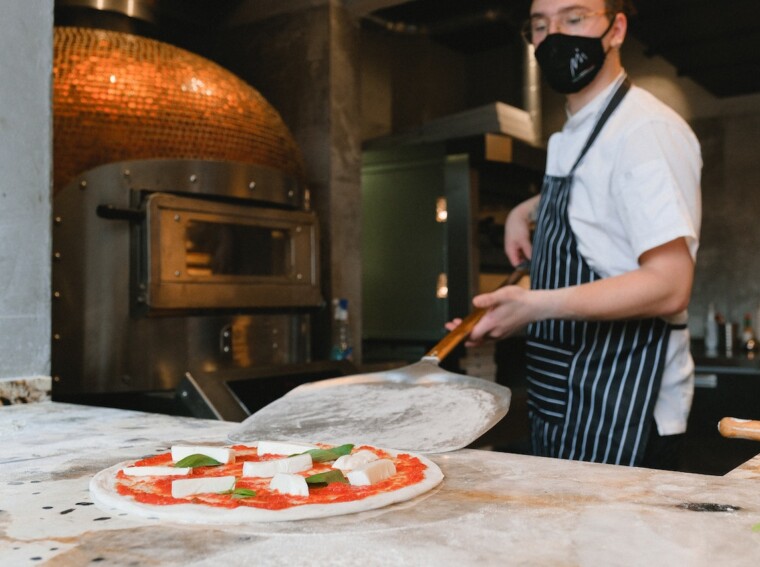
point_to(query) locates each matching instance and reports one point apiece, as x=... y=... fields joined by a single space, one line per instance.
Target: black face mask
x=570 y=62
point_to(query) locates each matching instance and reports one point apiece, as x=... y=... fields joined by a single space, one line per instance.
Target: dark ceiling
x=716 y=44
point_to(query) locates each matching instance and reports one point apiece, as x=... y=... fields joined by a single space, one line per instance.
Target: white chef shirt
x=637 y=188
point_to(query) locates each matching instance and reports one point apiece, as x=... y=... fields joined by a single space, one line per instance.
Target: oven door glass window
x=227 y=249
x=202 y=254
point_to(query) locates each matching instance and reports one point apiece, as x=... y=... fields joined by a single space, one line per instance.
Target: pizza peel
x=733 y=427
x=419 y=407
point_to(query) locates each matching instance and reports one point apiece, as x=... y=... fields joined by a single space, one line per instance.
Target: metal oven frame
x=127 y=318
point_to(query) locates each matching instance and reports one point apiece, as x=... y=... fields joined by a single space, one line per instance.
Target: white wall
x=26 y=51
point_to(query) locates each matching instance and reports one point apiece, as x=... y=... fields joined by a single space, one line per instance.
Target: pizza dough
x=104 y=493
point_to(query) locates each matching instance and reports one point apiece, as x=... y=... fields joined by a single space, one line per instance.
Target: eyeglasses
x=572 y=21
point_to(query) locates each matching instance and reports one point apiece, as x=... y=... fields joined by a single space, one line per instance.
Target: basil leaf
x=197 y=460
x=323 y=455
x=756 y=528
x=243 y=493
x=327 y=477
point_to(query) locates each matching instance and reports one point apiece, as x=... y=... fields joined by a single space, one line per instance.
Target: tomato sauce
x=158 y=490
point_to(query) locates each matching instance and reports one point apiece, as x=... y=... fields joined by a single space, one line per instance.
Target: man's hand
x=517 y=243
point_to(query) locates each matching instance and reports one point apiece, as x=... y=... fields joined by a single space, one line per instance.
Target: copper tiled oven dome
x=119 y=97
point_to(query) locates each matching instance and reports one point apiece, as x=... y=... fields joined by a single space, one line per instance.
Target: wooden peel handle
x=739 y=428
x=453 y=338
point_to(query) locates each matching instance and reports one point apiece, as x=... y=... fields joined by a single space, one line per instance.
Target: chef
x=610 y=375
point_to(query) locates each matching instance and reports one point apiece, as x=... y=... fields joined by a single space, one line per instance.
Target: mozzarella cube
x=213 y=484
x=287 y=483
x=371 y=473
x=294 y=464
x=224 y=455
x=350 y=462
x=282 y=448
x=156 y=471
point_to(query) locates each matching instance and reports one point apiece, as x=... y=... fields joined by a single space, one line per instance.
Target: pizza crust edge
x=103 y=493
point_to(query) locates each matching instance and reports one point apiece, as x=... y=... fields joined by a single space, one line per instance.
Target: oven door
x=201 y=254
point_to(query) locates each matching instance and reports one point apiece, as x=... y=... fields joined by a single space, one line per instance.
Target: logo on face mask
x=576 y=63
x=570 y=62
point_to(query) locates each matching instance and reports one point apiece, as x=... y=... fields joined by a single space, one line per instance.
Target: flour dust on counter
x=491 y=506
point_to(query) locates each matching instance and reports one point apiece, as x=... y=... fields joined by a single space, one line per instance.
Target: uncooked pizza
x=265 y=482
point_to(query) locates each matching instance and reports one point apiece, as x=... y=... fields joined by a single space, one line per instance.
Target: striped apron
x=592 y=385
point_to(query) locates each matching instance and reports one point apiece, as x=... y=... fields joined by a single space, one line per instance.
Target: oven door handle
x=109 y=212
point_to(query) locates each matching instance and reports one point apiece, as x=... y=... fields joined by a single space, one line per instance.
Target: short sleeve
x=656 y=183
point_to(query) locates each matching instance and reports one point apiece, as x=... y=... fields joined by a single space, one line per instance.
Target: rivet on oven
x=299 y=276
x=298 y=229
x=177 y=218
x=177 y=273
x=57 y=220
x=290 y=194
x=56 y=378
x=83 y=184
x=193 y=178
x=127 y=173
x=57 y=294
x=56 y=256
x=275 y=345
x=252 y=185
x=56 y=336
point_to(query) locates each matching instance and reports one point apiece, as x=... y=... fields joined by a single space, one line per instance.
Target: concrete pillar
x=303 y=57
x=26 y=55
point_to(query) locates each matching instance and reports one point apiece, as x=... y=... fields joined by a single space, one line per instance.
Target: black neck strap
x=611 y=106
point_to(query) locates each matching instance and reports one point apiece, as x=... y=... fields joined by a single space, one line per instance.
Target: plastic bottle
x=711 y=330
x=341 y=344
x=748 y=334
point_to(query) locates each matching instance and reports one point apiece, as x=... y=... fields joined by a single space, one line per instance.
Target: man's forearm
x=659 y=288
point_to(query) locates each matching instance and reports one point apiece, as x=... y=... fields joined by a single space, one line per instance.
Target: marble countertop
x=491 y=509
x=749 y=470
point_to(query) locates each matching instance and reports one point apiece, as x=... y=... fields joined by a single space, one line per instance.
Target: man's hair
x=625 y=6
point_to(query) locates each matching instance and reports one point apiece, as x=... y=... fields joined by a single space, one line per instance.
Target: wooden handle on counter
x=739 y=428
x=453 y=338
